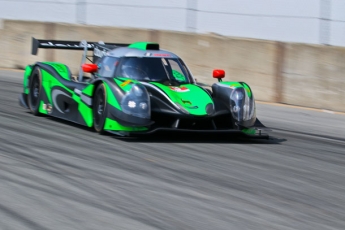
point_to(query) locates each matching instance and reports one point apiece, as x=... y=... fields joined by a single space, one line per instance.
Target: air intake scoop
x=144 y=46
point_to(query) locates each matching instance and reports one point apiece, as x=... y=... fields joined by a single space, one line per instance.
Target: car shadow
x=167 y=137
x=200 y=138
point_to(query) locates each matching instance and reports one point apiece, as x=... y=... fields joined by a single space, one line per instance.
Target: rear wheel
x=99 y=108
x=35 y=91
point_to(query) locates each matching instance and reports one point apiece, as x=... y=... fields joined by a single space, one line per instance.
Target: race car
x=137 y=88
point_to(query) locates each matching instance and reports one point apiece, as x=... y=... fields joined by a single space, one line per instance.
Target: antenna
x=83 y=60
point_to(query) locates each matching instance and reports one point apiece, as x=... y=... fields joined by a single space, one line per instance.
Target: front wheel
x=35 y=91
x=99 y=108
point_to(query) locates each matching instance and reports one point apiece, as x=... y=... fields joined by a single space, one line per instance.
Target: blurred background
x=56 y=175
x=278 y=47
x=307 y=21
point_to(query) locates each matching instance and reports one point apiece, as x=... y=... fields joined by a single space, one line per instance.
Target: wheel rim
x=35 y=92
x=99 y=108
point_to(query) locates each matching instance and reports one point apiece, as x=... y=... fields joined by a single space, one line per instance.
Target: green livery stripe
x=115 y=126
x=86 y=113
x=189 y=96
x=60 y=68
x=40 y=109
x=48 y=82
x=246 y=87
x=27 y=73
x=76 y=98
x=234 y=84
x=47 y=88
x=88 y=90
x=84 y=110
x=140 y=45
x=249 y=131
x=111 y=98
x=178 y=76
x=125 y=85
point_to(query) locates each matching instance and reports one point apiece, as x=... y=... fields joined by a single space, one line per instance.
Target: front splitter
x=239 y=133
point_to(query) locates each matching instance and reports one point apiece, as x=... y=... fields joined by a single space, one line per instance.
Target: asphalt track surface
x=57 y=175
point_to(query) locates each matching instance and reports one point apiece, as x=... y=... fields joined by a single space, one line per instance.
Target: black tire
x=35 y=91
x=99 y=108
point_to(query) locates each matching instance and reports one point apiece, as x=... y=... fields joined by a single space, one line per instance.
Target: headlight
x=137 y=102
x=132 y=104
x=242 y=106
x=143 y=105
x=236 y=109
x=238 y=95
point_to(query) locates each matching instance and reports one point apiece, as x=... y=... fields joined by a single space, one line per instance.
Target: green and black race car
x=134 y=89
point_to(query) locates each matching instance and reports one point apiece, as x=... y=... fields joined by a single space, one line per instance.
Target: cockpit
x=156 y=69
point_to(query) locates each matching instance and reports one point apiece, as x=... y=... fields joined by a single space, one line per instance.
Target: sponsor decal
x=186 y=102
x=50 y=44
x=192 y=107
x=125 y=83
x=161 y=92
x=161 y=55
x=48 y=108
x=179 y=89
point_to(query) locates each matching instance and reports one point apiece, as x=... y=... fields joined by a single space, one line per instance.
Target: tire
x=99 y=108
x=35 y=91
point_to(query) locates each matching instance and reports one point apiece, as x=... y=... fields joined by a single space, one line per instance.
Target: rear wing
x=70 y=45
x=98 y=48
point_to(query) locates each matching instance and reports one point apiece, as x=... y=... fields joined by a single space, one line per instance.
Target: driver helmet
x=134 y=68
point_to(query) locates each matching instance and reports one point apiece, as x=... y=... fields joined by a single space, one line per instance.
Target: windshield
x=107 y=66
x=154 y=69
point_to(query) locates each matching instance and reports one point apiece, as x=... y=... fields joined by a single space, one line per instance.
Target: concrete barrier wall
x=297 y=74
x=15 y=43
x=314 y=76
x=250 y=61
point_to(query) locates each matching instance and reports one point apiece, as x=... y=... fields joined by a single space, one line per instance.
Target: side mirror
x=219 y=74
x=89 y=68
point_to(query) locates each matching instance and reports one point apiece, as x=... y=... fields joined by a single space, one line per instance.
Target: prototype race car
x=136 y=89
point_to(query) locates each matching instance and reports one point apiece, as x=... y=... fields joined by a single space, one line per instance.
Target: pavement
x=58 y=175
